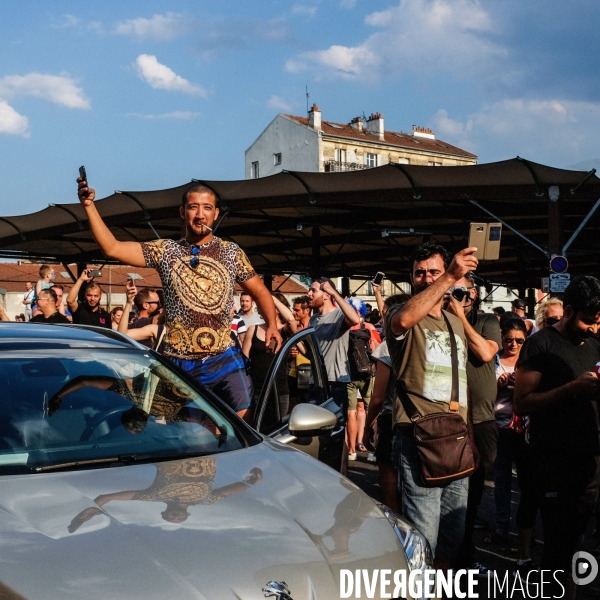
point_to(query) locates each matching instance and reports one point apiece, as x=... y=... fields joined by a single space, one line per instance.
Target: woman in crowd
x=548 y=312
x=255 y=348
x=512 y=445
x=115 y=316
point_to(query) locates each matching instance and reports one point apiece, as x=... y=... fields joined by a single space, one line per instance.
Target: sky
x=148 y=95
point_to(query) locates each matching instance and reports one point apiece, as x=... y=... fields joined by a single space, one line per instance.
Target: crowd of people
x=525 y=388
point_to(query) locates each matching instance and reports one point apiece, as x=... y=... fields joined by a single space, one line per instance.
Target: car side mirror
x=308 y=420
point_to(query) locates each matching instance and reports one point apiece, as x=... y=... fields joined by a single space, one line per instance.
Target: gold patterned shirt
x=198 y=300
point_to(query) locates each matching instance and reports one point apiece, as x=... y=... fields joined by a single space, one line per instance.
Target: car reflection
x=179 y=484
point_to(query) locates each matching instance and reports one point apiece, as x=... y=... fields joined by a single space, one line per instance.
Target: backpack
x=359 y=353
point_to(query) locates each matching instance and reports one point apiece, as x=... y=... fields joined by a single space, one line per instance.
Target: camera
x=459 y=293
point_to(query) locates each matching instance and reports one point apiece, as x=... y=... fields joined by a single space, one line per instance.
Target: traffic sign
x=559 y=264
x=559 y=282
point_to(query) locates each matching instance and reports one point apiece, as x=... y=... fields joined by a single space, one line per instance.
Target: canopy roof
x=350 y=224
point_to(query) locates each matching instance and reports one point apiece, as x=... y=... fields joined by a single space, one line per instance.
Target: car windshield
x=91 y=407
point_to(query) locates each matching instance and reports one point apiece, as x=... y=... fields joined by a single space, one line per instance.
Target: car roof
x=52 y=335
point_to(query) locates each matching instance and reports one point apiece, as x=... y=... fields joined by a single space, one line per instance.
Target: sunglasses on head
x=518 y=341
x=195 y=260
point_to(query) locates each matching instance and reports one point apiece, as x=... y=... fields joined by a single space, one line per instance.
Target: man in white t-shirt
x=28 y=299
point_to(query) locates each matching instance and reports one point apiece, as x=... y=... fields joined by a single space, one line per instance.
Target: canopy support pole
x=147 y=215
x=583 y=224
x=509 y=227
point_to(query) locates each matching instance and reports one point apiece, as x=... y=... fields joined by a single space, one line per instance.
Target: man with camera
x=420 y=344
x=483 y=339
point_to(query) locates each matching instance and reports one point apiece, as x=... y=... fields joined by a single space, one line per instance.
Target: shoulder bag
x=441 y=438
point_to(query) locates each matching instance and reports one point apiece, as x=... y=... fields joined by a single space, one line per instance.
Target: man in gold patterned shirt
x=198 y=274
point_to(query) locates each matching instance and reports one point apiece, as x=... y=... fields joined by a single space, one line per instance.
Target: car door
x=309 y=385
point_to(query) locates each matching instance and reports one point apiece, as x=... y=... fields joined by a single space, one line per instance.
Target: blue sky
x=151 y=94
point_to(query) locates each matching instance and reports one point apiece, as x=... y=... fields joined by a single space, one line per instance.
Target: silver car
x=123 y=479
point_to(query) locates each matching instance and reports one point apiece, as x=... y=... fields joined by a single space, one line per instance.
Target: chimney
x=423 y=132
x=314 y=117
x=357 y=123
x=375 y=125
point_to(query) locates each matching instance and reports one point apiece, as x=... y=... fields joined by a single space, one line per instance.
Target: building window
x=277 y=158
x=340 y=155
x=433 y=163
x=371 y=160
x=255 y=172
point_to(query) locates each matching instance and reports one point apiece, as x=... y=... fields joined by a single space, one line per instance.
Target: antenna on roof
x=307 y=96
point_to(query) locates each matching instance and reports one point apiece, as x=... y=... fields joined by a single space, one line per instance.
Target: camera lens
x=459 y=294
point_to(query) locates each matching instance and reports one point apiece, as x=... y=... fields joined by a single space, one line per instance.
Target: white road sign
x=559 y=282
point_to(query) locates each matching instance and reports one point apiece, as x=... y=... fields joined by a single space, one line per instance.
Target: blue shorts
x=439 y=513
x=225 y=374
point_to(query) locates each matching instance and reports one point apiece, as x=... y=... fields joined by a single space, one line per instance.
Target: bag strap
x=454 y=358
x=408 y=405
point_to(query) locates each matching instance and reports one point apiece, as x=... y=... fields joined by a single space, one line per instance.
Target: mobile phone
x=95 y=273
x=82 y=173
x=272 y=345
x=130 y=283
x=486 y=238
x=378 y=279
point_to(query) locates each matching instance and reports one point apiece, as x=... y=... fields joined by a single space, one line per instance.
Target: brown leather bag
x=441 y=438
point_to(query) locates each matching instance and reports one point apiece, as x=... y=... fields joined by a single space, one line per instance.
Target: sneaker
x=371 y=457
x=524 y=568
x=483 y=571
x=352 y=456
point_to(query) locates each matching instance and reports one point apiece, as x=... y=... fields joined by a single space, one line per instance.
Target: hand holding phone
x=84 y=192
x=378 y=279
x=272 y=345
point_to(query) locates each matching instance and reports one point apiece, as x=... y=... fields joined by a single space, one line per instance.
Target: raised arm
x=129 y=253
x=124 y=322
x=72 y=301
x=484 y=349
x=378 y=297
x=261 y=295
x=420 y=305
x=350 y=315
x=291 y=326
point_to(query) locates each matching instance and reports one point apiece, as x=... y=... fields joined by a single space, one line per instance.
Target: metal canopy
x=350 y=224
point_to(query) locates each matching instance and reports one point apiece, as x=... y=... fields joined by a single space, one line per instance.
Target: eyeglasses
x=459 y=293
x=518 y=341
x=195 y=260
x=153 y=302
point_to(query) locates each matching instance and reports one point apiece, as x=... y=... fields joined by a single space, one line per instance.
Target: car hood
x=218 y=527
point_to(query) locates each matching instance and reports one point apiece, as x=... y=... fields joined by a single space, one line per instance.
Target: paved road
x=498 y=557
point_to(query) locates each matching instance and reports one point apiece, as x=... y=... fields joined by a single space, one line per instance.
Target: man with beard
x=556 y=385
x=198 y=275
x=88 y=312
x=418 y=338
x=483 y=338
x=332 y=321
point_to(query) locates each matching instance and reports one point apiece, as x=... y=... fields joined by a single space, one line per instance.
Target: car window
x=87 y=405
x=296 y=377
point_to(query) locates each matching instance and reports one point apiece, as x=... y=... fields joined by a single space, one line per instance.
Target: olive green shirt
x=421 y=359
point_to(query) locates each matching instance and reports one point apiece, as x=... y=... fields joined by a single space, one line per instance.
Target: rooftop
x=390 y=138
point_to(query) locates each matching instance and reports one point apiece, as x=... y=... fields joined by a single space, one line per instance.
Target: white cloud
x=11 y=122
x=159 y=27
x=278 y=103
x=302 y=9
x=68 y=21
x=178 y=114
x=59 y=89
x=161 y=77
x=552 y=131
x=349 y=63
x=418 y=35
